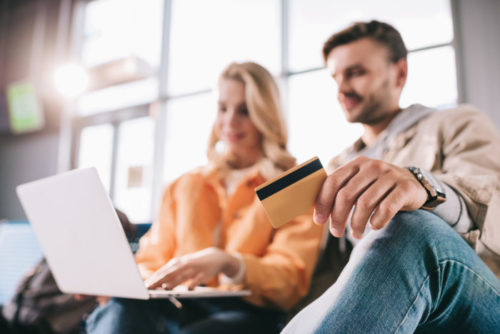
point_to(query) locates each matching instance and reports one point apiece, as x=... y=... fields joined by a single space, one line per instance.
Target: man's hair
x=380 y=32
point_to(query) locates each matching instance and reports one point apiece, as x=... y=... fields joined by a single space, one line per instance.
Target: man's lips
x=350 y=101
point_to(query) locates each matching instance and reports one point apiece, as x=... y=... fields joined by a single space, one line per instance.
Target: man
x=409 y=270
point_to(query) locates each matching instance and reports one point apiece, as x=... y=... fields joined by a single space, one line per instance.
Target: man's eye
x=222 y=109
x=357 y=73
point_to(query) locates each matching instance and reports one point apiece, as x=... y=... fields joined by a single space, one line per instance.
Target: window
x=135 y=161
x=188 y=125
x=207 y=35
x=421 y=23
x=316 y=123
x=96 y=143
x=431 y=78
x=133 y=185
x=113 y=29
x=118 y=97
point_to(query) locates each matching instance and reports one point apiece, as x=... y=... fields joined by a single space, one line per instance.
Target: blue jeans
x=415 y=275
x=209 y=315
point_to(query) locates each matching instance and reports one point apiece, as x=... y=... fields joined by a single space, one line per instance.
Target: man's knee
x=410 y=234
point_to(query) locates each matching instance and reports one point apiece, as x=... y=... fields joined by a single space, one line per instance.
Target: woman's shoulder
x=196 y=174
x=191 y=179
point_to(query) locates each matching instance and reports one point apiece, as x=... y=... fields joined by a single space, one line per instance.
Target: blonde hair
x=264 y=109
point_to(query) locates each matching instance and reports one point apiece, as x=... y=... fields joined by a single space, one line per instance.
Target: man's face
x=369 y=84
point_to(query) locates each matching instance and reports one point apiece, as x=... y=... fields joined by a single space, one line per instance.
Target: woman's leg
x=230 y=315
x=209 y=315
x=123 y=316
x=417 y=274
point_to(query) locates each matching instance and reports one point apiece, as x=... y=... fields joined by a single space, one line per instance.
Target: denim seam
x=427 y=278
x=473 y=272
x=413 y=303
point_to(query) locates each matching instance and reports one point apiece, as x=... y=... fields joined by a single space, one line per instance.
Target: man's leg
x=417 y=274
x=122 y=316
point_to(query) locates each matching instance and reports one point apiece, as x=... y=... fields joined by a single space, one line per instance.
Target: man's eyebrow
x=349 y=68
x=354 y=67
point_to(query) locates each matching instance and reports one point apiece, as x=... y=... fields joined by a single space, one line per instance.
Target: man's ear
x=401 y=72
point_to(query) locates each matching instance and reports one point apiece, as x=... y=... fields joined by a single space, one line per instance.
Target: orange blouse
x=279 y=262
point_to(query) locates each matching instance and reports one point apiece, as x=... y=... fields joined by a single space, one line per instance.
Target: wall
x=479 y=27
x=23 y=159
x=28 y=33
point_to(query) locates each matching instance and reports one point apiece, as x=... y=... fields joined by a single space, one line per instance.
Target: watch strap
x=435 y=192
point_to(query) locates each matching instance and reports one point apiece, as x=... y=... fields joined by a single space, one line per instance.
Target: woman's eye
x=243 y=112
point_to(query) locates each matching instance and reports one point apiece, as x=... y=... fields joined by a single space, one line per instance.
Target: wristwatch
x=435 y=190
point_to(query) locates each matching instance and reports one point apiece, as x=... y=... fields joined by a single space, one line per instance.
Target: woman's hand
x=101 y=300
x=199 y=267
x=375 y=189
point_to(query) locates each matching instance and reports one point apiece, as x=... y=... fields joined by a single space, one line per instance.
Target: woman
x=212 y=230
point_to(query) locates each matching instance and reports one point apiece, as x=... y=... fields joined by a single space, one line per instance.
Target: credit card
x=292 y=193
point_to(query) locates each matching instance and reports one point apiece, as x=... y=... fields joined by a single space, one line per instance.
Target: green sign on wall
x=24 y=109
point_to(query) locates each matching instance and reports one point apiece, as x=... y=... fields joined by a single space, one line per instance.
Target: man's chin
x=352 y=116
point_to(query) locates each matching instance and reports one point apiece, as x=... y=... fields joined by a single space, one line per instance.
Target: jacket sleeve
x=158 y=245
x=281 y=276
x=471 y=165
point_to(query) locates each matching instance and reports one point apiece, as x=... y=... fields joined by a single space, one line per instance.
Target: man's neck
x=372 y=131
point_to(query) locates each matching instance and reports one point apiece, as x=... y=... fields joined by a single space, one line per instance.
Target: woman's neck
x=244 y=159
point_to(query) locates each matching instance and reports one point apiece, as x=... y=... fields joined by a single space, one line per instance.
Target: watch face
x=434 y=188
x=433 y=182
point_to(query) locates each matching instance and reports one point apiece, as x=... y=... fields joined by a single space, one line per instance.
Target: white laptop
x=83 y=240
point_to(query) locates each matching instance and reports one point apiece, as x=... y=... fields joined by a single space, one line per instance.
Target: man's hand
x=377 y=190
x=198 y=268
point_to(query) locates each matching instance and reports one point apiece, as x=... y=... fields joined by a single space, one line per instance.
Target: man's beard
x=373 y=109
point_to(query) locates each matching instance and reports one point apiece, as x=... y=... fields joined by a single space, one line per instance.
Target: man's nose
x=342 y=84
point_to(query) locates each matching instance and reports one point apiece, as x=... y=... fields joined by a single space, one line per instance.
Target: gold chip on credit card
x=293 y=192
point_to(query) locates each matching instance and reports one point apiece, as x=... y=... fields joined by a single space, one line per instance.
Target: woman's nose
x=231 y=117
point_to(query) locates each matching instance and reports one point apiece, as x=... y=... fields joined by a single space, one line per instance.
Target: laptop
x=83 y=240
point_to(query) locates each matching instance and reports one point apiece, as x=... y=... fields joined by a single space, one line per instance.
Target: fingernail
x=356 y=235
x=335 y=232
x=318 y=219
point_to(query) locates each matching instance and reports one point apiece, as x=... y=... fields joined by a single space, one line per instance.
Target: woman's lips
x=234 y=137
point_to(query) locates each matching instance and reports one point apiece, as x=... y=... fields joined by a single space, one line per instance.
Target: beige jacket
x=461 y=147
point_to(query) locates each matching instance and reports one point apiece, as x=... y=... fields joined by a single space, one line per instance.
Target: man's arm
x=471 y=166
x=454 y=211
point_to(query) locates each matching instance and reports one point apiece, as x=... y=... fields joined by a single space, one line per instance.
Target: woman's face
x=233 y=124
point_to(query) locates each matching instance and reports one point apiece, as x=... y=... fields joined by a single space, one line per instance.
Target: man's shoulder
x=462 y=111
x=453 y=119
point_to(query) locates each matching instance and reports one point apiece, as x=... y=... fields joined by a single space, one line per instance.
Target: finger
x=157 y=279
x=368 y=201
x=174 y=279
x=387 y=209
x=347 y=197
x=326 y=195
x=102 y=300
x=199 y=279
